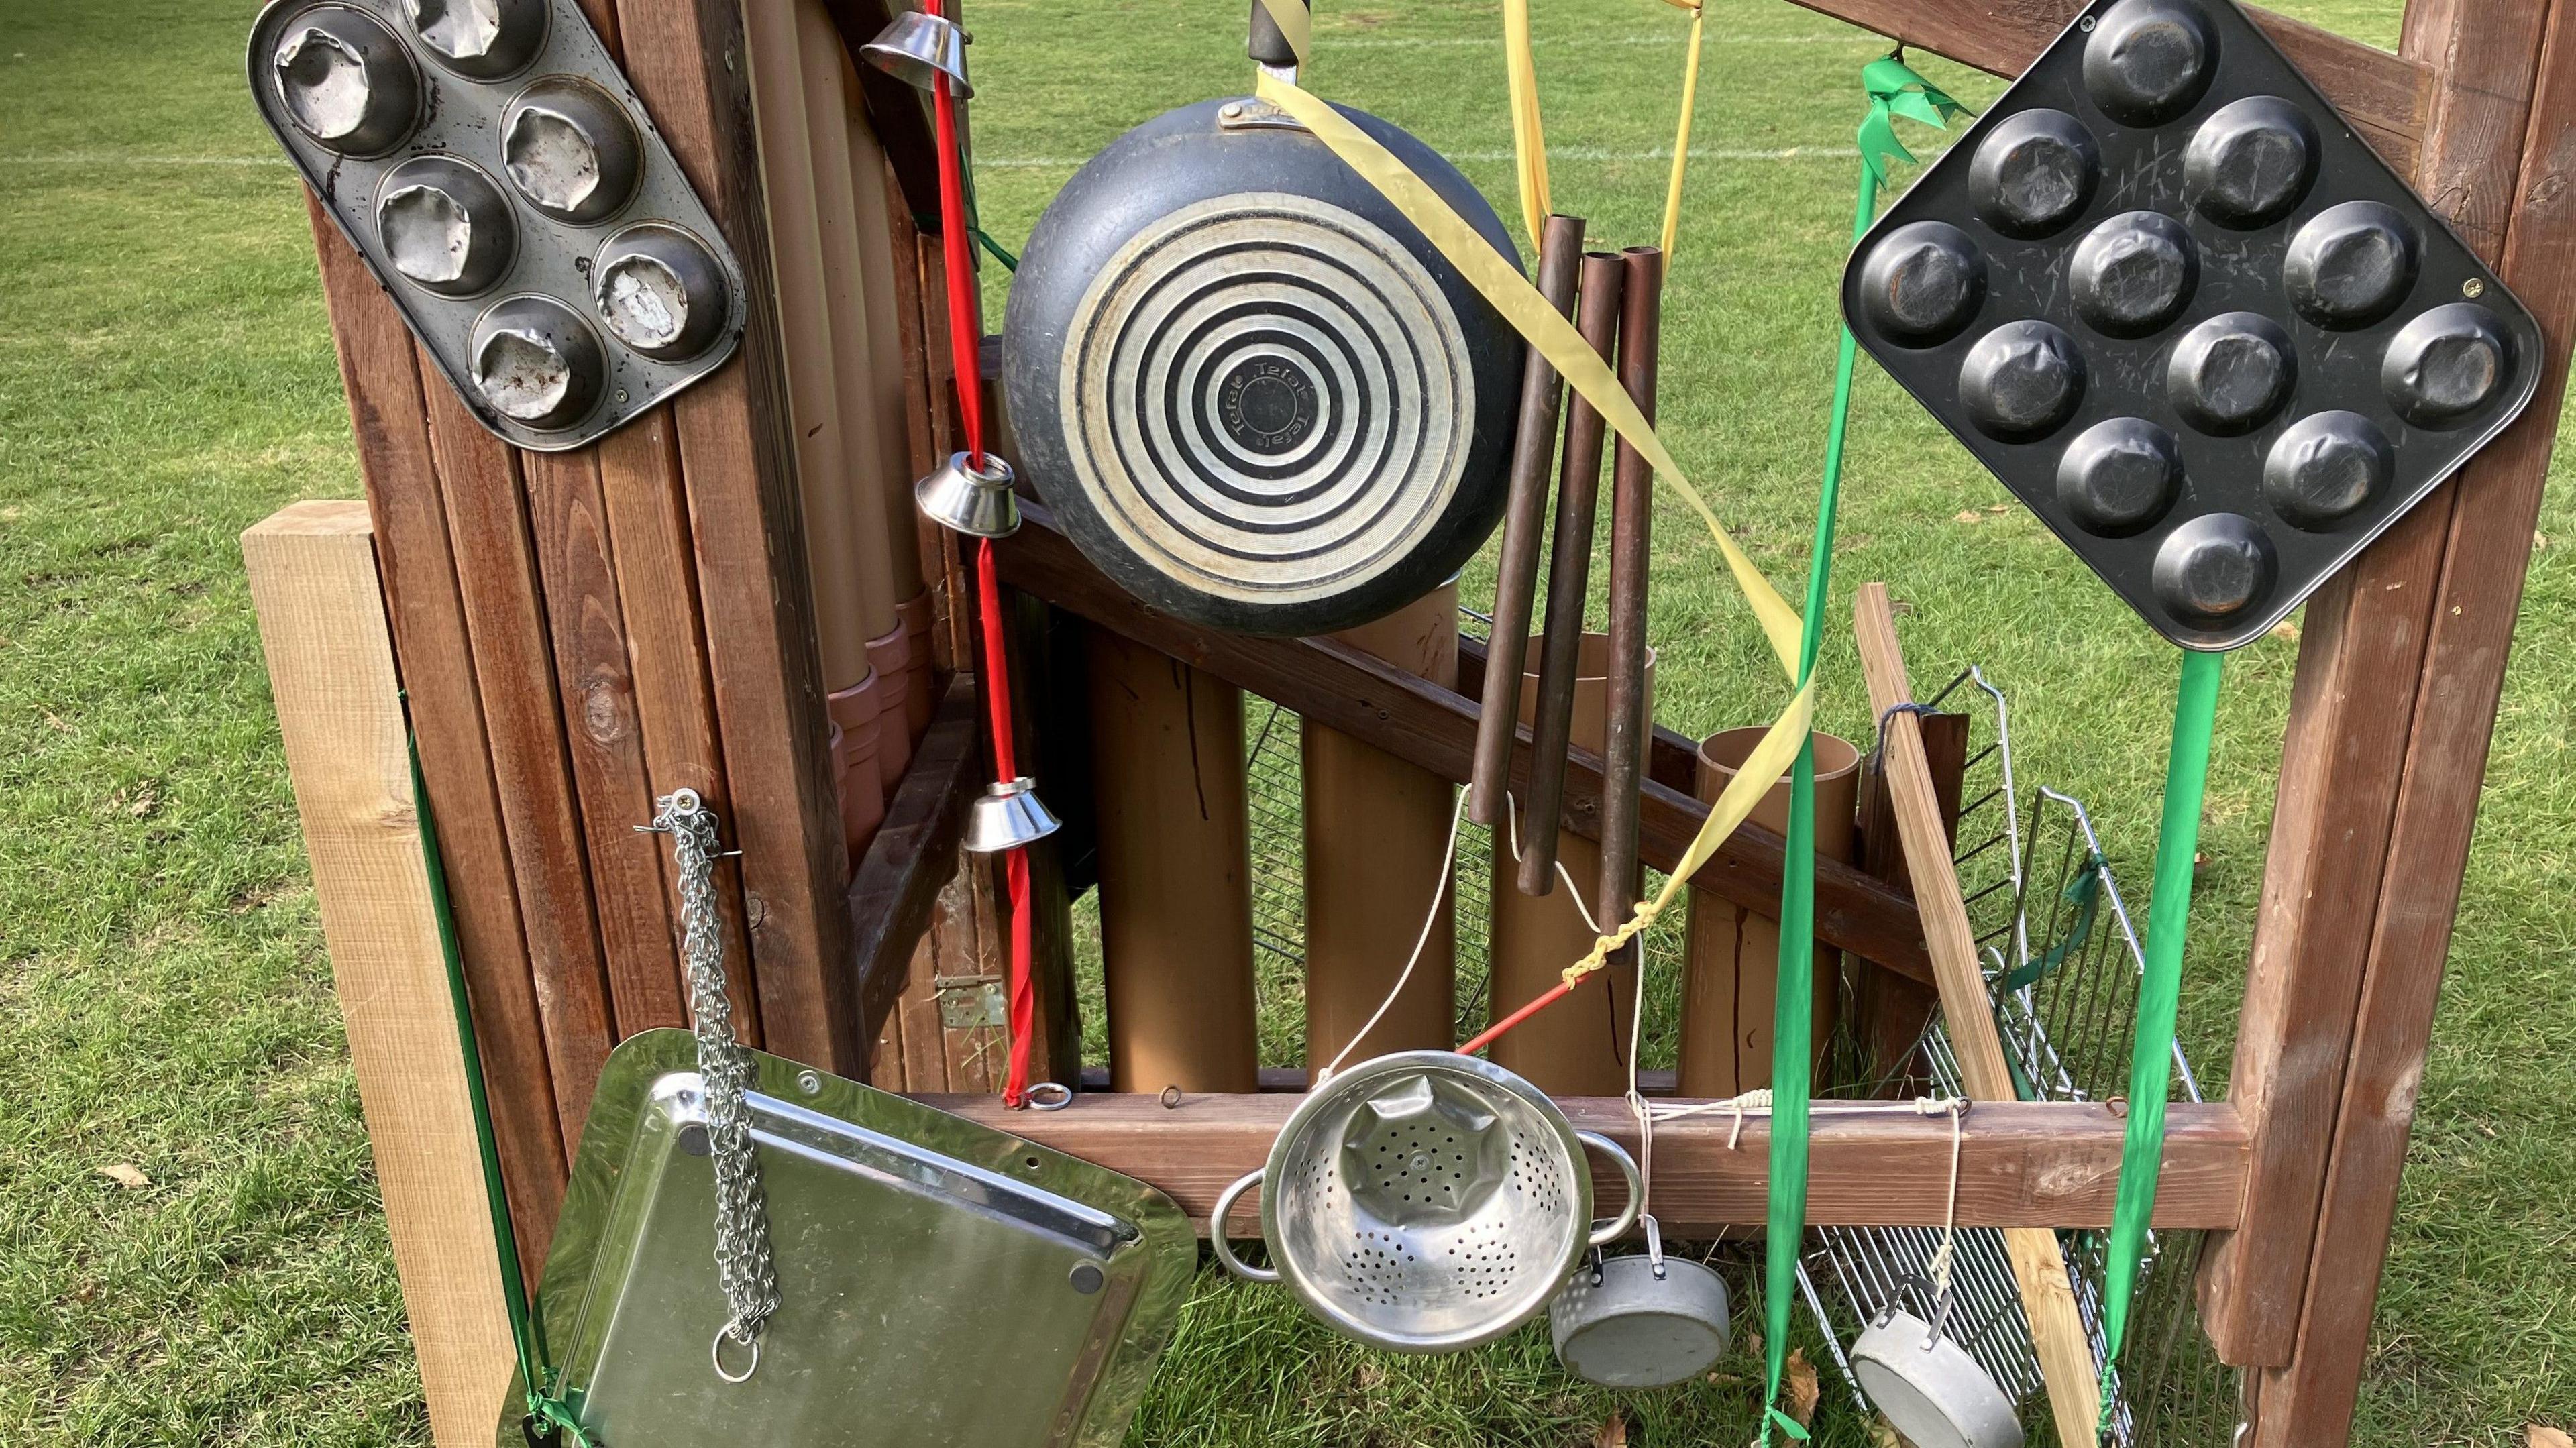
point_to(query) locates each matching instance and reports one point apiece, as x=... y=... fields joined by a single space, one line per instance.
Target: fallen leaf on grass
x=1798 y=1385
x=1968 y=515
x=125 y=1174
x=2286 y=630
x=1613 y=1434
x=2541 y=1436
x=2539 y=541
x=1883 y=1434
x=1999 y=507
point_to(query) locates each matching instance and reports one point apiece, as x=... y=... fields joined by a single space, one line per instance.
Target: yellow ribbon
x=1511 y=295
x=1529 y=143
x=1295 y=23
x=1681 y=137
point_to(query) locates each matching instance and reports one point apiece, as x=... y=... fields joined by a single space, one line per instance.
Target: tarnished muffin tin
x=2189 y=318
x=496 y=171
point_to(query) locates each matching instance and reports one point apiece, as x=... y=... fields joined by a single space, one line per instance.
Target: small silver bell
x=975 y=501
x=1008 y=817
x=917 y=48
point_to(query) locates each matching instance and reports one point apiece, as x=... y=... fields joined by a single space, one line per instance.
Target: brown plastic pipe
x=1632 y=499
x=1731 y=978
x=1569 y=574
x=1377 y=837
x=1560 y=258
x=1175 y=857
x=1577 y=1045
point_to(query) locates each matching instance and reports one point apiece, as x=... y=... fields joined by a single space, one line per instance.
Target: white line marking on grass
x=135 y=158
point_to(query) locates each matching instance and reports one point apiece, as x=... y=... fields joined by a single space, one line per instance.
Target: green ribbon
x=2142 y=1150
x=1792 y=1021
x=2084 y=893
x=1895 y=90
x=547 y=1417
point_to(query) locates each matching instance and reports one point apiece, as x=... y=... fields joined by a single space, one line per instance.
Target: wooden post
x=385 y=383
x=1731 y=983
x=2345 y=747
x=1377 y=835
x=2485 y=550
x=1175 y=870
x=330 y=654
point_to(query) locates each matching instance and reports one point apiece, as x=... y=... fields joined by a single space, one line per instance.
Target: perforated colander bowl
x=1427 y=1202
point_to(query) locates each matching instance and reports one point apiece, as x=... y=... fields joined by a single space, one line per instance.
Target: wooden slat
x=2341 y=759
x=2381 y=94
x=2038 y=1264
x=505 y=620
x=2027 y=1164
x=1434 y=728
x=675 y=710
x=322 y=624
x=899 y=880
x=567 y=513
x=686 y=59
x=2474 y=606
x=381 y=374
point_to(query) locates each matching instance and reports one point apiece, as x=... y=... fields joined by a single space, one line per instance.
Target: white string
x=1512 y=819
x=1430 y=921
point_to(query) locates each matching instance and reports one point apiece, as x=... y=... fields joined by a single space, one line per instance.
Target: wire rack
x=2063 y=961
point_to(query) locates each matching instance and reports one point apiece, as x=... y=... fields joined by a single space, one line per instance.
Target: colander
x=1426 y=1202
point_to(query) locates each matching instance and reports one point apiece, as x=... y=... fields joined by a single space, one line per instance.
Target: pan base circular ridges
x=1268 y=403
x=2215 y=343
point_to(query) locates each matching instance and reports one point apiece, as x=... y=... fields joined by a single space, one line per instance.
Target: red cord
x=965 y=326
x=965 y=333
x=1551 y=996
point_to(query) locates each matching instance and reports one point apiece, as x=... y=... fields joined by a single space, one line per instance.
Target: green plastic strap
x=2159 y=992
x=1893 y=90
x=545 y=1414
x=2084 y=892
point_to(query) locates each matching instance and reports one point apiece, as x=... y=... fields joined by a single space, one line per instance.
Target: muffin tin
x=495 y=170
x=2190 y=318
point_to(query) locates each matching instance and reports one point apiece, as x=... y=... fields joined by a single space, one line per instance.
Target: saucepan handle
x=1268 y=46
x=1617 y=1226
x=1224 y=1207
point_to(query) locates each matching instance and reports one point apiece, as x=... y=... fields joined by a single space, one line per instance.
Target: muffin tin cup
x=2189 y=318
x=497 y=173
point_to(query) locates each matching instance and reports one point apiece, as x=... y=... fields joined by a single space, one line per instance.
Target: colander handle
x=1224 y=1208
x=1618 y=1226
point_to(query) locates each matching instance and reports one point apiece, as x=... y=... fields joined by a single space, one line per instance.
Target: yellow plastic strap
x=1503 y=287
x=1682 y=134
x=1529 y=142
x=1294 y=22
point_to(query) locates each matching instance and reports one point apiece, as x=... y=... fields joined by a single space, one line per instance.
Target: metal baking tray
x=2189 y=318
x=489 y=161
x=939 y=1282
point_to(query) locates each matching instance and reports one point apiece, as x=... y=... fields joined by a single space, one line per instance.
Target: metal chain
x=743 y=1262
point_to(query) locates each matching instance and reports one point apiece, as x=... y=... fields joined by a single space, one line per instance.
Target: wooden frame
x=577 y=633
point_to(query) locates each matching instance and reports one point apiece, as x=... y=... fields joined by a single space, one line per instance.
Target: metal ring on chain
x=724 y=1335
x=1049 y=1096
x=1273 y=404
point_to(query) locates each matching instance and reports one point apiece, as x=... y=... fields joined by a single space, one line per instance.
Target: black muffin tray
x=2189 y=317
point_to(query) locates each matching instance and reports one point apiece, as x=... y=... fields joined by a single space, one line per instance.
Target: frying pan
x=1253 y=393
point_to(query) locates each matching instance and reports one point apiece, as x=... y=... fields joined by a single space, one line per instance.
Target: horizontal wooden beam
x=2382 y=95
x=2045 y=1164
x=1434 y=728
x=913 y=854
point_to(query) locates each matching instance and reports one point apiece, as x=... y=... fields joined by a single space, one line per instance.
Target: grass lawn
x=166 y=380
